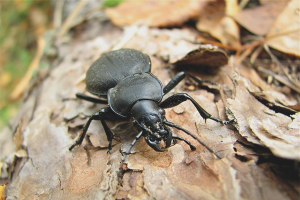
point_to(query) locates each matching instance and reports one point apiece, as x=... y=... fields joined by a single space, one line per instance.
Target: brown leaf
x=155 y=13
x=206 y=56
x=284 y=34
x=260 y=19
x=283 y=143
x=214 y=21
x=296 y=121
x=277 y=101
x=262 y=126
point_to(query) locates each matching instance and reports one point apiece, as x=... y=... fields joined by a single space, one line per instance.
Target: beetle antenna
x=190 y=134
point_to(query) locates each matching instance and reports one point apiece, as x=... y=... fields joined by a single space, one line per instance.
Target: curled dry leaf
x=284 y=34
x=154 y=13
x=206 y=56
x=282 y=143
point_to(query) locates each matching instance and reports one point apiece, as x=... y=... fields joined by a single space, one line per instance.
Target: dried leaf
x=232 y=7
x=262 y=126
x=155 y=13
x=206 y=56
x=284 y=34
x=295 y=124
x=260 y=19
x=284 y=144
x=214 y=21
x=275 y=100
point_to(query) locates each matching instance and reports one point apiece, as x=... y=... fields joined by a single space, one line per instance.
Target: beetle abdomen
x=112 y=67
x=132 y=89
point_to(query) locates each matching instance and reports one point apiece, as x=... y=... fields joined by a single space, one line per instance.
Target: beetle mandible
x=123 y=80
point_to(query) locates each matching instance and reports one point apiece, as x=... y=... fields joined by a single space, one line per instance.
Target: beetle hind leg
x=91 y=99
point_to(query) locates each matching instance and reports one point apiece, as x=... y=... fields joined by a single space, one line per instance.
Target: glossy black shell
x=112 y=67
x=132 y=89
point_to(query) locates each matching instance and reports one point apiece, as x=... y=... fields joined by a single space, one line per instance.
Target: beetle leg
x=187 y=142
x=104 y=113
x=187 y=132
x=179 y=77
x=168 y=140
x=91 y=99
x=176 y=99
x=132 y=144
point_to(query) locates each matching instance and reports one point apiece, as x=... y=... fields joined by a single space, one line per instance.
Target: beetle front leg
x=177 y=99
x=131 y=145
x=101 y=115
x=187 y=142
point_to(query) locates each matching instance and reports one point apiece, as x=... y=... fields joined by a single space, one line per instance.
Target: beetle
x=122 y=79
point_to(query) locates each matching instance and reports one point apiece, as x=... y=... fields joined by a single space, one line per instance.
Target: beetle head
x=149 y=117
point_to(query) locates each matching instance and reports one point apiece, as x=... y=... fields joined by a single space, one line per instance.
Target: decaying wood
x=260 y=151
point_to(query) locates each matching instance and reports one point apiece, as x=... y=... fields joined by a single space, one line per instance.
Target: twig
x=67 y=24
x=279 y=78
x=57 y=16
x=20 y=88
x=278 y=63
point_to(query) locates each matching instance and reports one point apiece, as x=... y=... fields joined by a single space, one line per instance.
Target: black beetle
x=123 y=80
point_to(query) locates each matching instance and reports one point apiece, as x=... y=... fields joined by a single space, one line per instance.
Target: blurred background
x=22 y=22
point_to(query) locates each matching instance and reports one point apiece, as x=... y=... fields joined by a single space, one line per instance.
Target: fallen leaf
x=276 y=101
x=214 y=21
x=207 y=57
x=282 y=143
x=155 y=13
x=260 y=19
x=262 y=126
x=232 y=7
x=284 y=34
x=295 y=124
